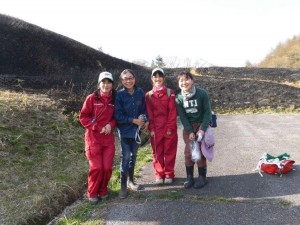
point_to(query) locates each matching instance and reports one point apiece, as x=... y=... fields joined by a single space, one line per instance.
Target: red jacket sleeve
x=149 y=112
x=87 y=114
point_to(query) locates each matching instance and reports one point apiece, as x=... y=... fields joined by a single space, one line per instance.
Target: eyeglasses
x=128 y=79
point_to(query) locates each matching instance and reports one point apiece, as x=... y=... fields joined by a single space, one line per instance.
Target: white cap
x=157 y=69
x=106 y=75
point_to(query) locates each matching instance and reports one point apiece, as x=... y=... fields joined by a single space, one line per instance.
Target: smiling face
x=128 y=81
x=106 y=86
x=185 y=83
x=158 y=79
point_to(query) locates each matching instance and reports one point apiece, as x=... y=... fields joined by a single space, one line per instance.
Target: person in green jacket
x=194 y=110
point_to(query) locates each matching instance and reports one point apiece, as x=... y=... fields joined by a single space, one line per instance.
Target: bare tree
x=172 y=62
x=187 y=62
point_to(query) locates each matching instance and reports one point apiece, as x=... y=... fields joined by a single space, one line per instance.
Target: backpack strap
x=150 y=94
x=169 y=92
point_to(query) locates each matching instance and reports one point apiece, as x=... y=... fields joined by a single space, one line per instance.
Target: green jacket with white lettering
x=195 y=110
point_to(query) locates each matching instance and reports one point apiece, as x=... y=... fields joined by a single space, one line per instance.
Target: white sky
x=222 y=32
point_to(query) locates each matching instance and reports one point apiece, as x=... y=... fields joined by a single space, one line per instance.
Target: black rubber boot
x=201 y=180
x=130 y=183
x=123 y=191
x=189 y=177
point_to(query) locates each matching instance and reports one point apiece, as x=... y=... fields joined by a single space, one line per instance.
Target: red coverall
x=162 y=113
x=99 y=148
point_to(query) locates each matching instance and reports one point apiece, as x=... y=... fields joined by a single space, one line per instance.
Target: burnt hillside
x=35 y=58
x=254 y=88
x=44 y=59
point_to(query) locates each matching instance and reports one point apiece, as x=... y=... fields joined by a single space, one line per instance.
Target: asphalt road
x=235 y=194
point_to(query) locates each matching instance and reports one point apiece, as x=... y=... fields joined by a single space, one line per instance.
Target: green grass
x=284 y=203
x=77 y=222
x=43 y=166
x=42 y=161
x=85 y=213
x=215 y=199
x=81 y=216
x=171 y=195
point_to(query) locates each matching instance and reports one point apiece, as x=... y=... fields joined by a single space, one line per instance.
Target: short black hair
x=185 y=74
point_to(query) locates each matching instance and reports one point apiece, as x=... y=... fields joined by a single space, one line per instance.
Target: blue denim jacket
x=128 y=107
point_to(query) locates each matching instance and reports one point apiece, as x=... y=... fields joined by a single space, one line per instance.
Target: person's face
x=158 y=80
x=185 y=83
x=128 y=80
x=105 y=86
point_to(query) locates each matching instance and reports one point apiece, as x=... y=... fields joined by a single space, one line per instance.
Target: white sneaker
x=134 y=187
x=159 y=181
x=168 y=180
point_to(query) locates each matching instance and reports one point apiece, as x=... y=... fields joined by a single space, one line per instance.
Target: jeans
x=129 y=153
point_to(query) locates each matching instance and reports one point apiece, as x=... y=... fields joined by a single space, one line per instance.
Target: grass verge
x=42 y=163
x=86 y=214
x=43 y=167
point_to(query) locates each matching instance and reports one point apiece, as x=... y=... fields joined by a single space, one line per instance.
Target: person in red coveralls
x=96 y=117
x=161 y=109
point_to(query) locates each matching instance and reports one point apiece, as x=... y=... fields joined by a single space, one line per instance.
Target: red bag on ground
x=275 y=165
x=287 y=166
x=269 y=168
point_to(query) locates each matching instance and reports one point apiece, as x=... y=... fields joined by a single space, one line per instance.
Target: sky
x=212 y=32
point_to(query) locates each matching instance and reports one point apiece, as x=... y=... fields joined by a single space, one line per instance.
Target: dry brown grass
x=42 y=162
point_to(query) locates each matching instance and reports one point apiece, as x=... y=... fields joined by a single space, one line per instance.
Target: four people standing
x=129 y=109
x=162 y=114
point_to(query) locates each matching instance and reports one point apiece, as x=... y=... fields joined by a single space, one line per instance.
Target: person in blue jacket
x=131 y=116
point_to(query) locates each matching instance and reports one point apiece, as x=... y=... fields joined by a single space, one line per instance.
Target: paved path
x=235 y=194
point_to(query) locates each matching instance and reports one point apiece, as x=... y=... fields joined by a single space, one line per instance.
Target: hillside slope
x=249 y=89
x=32 y=57
x=285 y=55
x=42 y=64
x=44 y=59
